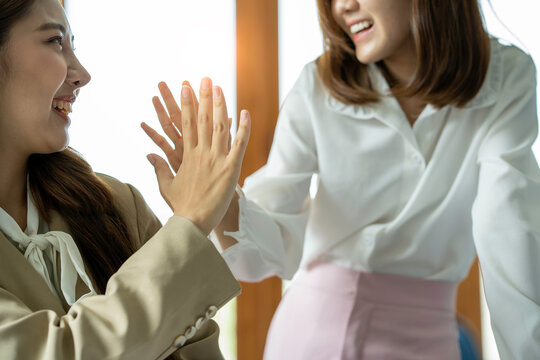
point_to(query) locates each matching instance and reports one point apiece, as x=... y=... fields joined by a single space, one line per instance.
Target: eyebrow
x=52 y=26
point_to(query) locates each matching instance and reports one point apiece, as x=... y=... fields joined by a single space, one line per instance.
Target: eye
x=56 y=40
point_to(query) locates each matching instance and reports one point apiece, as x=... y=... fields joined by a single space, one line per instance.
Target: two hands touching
x=206 y=165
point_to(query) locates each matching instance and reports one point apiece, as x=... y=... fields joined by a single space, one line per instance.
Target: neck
x=400 y=70
x=13 y=186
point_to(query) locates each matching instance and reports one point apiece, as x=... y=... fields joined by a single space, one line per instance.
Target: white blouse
x=419 y=201
x=41 y=248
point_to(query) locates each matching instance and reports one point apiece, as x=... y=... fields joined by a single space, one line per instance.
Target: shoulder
x=307 y=90
x=123 y=192
x=307 y=80
x=119 y=189
x=515 y=64
x=139 y=218
x=511 y=73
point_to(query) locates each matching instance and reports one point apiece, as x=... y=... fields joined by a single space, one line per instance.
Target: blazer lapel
x=19 y=278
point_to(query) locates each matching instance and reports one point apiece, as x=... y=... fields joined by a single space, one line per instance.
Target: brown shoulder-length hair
x=64 y=182
x=452 y=53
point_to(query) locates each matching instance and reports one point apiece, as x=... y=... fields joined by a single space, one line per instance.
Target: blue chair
x=468 y=344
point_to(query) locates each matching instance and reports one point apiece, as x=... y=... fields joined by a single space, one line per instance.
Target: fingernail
x=244 y=116
x=216 y=91
x=151 y=159
x=186 y=92
x=185 y=83
x=206 y=83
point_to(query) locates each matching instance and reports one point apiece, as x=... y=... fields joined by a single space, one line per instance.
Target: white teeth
x=361 y=26
x=64 y=106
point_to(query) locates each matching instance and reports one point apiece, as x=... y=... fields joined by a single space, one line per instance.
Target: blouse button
x=418 y=159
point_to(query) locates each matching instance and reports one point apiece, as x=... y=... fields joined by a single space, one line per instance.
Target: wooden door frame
x=257 y=91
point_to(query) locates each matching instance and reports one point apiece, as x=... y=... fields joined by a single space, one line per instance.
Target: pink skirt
x=330 y=312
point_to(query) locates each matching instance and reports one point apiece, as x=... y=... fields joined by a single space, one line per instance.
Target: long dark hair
x=452 y=52
x=64 y=182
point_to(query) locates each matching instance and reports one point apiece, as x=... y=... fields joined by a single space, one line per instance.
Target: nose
x=77 y=76
x=347 y=5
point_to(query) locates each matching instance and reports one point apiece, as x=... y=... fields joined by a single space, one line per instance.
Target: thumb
x=163 y=172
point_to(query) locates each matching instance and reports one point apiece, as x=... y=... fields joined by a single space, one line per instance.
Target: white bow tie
x=35 y=245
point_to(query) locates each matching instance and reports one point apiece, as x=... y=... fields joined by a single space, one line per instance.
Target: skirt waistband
x=380 y=288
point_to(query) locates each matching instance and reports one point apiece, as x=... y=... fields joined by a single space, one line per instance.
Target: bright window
x=128 y=46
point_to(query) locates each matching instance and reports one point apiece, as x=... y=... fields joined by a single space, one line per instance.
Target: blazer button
x=190 y=332
x=211 y=312
x=180 y=341
x=200 y=322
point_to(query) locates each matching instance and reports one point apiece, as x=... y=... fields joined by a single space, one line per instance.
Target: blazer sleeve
x=158 y=302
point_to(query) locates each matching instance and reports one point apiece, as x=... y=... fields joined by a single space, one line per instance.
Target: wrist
x=197 y=222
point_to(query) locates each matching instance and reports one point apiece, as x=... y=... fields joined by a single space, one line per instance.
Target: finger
x=189 y=120
x=173 y=109
x=195 y=101
x=163 y=174
x=159 y=140
x=220 y=134
x=238 y=148
x=166 y=124
x=205 y=116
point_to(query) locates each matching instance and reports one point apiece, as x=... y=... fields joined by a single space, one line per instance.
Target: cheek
x=37 y=80
x=53 y=73
x=337 y=7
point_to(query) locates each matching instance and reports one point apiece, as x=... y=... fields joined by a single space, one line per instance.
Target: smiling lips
x=62 y=106
x=358 y=28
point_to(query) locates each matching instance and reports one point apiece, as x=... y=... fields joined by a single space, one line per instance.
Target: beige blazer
x=159 y=302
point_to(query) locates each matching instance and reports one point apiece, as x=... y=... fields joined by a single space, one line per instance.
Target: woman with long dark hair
x=86 y=270
x=419 y=128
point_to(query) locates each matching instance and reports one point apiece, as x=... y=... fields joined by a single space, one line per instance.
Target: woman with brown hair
x=86 y=270
x=419 y=129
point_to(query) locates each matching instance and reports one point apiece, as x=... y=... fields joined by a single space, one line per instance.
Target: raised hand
x=208 y=170
x=171 y=123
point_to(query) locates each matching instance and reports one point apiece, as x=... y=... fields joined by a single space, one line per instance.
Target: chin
x=366 y=57
x=57 y=147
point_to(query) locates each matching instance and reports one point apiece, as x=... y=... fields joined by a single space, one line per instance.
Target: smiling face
x=380 y=29
x=40 y=78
